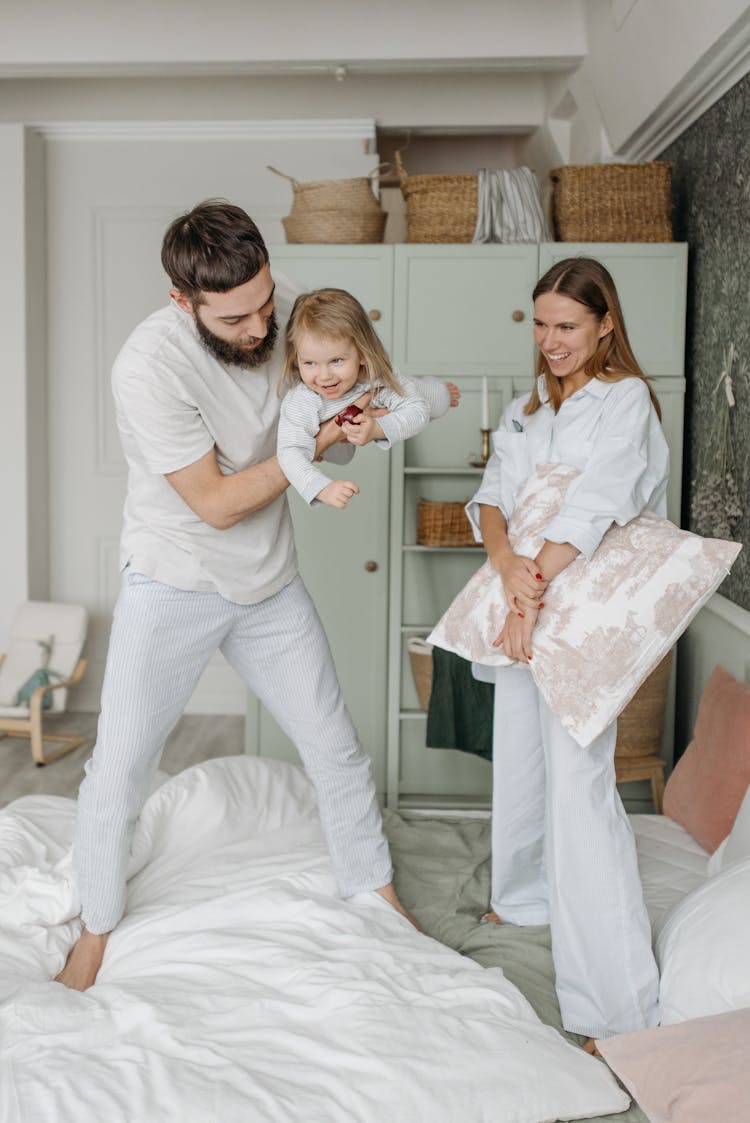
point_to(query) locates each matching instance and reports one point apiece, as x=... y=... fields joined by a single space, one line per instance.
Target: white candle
x=485 y=404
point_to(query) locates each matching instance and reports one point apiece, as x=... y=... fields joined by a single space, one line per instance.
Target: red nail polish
x=542 y=604
x=522 y=615
x=529 y=658
x=539 y=577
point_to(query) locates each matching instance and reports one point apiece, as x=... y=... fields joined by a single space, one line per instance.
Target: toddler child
x=335 y=366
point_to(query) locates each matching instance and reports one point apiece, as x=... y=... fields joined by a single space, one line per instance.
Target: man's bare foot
x=589 y=1046
x=490 y=917
x=389 y=893
x=454 y=392
x=83 y=962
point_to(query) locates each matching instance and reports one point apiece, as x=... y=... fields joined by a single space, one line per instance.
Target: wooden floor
x=196 y=737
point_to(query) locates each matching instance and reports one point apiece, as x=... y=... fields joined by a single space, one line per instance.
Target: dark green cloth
x=459 y=715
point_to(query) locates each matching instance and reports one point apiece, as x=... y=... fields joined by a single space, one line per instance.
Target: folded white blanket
x=238 y=987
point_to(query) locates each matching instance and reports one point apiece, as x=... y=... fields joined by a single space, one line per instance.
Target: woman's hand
x=523 y=583
x=515 y=638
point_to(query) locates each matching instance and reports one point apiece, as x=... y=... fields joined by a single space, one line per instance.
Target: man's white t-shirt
x=174 y=403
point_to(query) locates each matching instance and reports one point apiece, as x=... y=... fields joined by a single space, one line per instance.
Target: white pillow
x=607 y=621
x=736 y=845
x=702 y=949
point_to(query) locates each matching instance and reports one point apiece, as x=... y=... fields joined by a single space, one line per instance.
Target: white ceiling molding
x=283 y=68
x=314 y=129
x=708 y=81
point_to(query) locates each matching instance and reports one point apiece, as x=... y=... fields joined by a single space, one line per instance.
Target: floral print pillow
x=607 y=621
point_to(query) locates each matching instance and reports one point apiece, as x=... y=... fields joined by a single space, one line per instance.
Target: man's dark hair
x=213 y=248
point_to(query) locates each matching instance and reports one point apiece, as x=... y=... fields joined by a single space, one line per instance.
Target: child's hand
x=338 y=493
x=363 y=429
x=454 y=392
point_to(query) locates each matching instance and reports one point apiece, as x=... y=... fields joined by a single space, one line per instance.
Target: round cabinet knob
x=517 y=316
x=375 y=314
x=371 y=566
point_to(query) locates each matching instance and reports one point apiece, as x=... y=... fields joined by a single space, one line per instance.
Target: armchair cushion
x=37 y=621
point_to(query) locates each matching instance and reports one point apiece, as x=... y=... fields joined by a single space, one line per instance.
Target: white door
x=108 y=205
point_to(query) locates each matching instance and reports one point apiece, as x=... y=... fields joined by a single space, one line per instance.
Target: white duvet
x=238 y=987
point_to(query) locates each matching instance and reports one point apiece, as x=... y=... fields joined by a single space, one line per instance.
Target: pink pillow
x=705 y=789
x=694 y=1071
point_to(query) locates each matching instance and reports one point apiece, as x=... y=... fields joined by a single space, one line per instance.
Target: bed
x=238 y=987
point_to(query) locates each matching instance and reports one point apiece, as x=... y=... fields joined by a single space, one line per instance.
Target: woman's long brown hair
x=587 y=281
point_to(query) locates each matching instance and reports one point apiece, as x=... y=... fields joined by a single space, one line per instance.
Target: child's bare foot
x=83 y=962
x=589 y=1046
x=454 y=392
x=490 y=918
x=389 y=893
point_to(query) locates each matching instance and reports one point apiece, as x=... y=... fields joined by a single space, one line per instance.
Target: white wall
x=653 y=66
x=23 y=417
x=40 y=35
x=451 y=102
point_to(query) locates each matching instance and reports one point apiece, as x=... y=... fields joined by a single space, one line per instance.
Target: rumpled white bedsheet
x=238 y=987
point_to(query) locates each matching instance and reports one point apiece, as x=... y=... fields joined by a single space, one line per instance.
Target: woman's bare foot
x=455 y=393
x=83 y=962
x=589 y=1046
x=490 y=917
x=389 y=893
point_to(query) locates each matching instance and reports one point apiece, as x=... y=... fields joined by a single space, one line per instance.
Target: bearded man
x=208 y=561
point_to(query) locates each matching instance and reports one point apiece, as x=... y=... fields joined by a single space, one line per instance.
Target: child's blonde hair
x=336 y=314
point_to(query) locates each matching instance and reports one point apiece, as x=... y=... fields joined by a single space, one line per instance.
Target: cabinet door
x=337 y=549
x=464 y=309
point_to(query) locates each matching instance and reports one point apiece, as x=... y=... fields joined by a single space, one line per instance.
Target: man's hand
x=338 y=493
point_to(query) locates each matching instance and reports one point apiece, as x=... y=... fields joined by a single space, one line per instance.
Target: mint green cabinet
x=463 y=310
x=461 y=313
x=466 y=311
x=343 y=555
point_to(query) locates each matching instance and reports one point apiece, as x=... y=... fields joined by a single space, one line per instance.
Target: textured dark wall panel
x=711 y=185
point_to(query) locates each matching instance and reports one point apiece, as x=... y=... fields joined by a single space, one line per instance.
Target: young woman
x=563 y=852
x=334 y=360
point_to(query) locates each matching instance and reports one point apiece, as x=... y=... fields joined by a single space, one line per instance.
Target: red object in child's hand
x=347 y=414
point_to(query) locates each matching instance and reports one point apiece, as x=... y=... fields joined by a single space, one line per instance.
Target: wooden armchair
x=42 y=662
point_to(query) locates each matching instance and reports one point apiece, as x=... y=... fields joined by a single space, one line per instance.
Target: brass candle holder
x=479 y=461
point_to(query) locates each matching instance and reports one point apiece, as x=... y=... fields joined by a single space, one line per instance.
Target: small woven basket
x=334 y=210
x=613 y=202
x=443 y=524
x=439 y=208
x=640 y=725
x=421 y=669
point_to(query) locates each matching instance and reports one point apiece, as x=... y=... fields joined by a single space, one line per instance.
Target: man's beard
x=238 y=354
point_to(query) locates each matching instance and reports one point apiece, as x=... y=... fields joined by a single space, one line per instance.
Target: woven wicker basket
x=443 y=524
x=640 y=725
x=421 y=669
x=334 y=210
x=613 y=202
x=439 y=208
